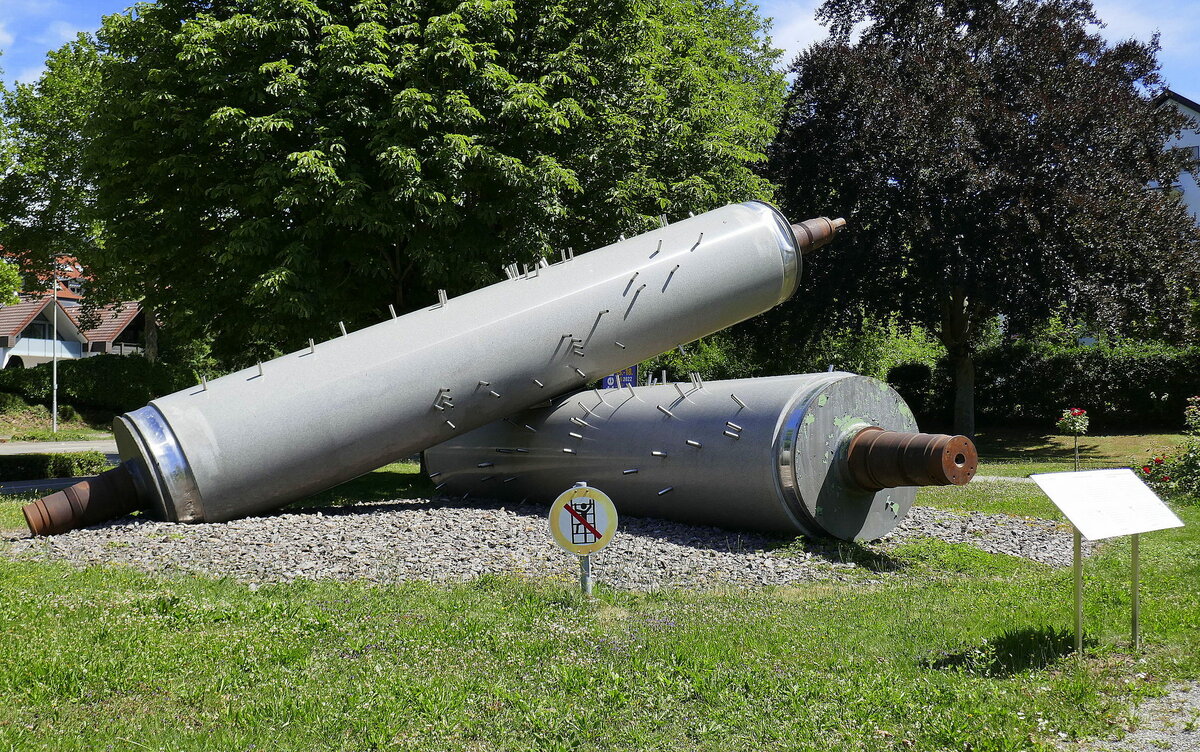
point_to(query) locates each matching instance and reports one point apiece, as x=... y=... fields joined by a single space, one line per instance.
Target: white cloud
x=58 y=33
x=30 y=75
x=6 y=37
x=795 y=26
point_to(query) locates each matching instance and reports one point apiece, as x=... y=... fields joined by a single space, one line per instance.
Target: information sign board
x=1107 y=503
x=583 y=520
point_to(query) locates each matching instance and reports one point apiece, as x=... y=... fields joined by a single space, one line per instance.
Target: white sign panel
x=1107 y=503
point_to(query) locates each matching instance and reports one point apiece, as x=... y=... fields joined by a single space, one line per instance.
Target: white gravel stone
x=445 y=540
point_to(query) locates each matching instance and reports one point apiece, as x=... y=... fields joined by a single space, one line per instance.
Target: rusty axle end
x=811 y=234
x=110 y=494
x=879 y=459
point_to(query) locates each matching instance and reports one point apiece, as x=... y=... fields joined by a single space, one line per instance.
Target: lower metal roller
x=828 y=454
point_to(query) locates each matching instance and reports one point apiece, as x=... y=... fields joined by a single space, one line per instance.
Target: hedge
x=62 y=465
x=115 y=383
x=1126 y=387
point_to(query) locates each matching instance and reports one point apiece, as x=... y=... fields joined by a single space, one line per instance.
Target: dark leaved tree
x=993 y=157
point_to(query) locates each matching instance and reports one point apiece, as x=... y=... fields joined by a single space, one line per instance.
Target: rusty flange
x=110 y=494
x=879 y=459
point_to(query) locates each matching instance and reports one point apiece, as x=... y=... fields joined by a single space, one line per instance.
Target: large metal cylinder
x=773 y=454
x=265 y=436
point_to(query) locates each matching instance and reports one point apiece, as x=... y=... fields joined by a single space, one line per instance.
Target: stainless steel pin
x=581 y=422
x=696 y=444
x=666 y=490
x=486 y=464
x=204 y=382
x=568 y=450
x=582 y=375
x=657 y=453
x=312 y=347
x=509 y=479
x=438 y=486
x=574 y=435
x=494 y=393
x=260 y=371
x=392 y=310
x=540 y=384
x=618 y=344
x=450 y=424
x=662 y=220
x=442 y=298
x=732 y=435
x=679 y=389
x=665 y=411
x=738 y=401
x=531 y=428
x=733 y=425
x=486 y=478
x=342 y=326
x=484 y=383
x=697 y=245
x=434 y=475
x=630 y=471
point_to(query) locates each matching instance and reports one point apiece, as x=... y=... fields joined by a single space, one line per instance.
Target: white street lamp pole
x=54 y=359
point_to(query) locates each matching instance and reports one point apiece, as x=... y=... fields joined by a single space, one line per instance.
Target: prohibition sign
x=583 y=520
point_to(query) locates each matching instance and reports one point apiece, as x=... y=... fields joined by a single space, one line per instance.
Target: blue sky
x=30 y=28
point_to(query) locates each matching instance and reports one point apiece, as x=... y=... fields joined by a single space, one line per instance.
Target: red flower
x=1078 y=411
x=1166 y=477
x=1158 y=460
x=1146 y=469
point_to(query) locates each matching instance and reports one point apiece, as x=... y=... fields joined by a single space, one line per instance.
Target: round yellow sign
x=583 y=520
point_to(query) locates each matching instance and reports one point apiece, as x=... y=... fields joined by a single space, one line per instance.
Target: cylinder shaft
x=110 y=494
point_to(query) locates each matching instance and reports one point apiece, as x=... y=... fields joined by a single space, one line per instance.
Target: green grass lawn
x=955 y=649
x=1022 y=453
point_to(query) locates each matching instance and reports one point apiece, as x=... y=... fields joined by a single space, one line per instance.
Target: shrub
x=1128 y=385
x=12 y=403
x=64 y=465
x=113 y=383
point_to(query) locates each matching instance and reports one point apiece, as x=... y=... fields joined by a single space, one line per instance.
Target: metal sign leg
x=1133 y=591
x=1078 y=566
x=585 y=574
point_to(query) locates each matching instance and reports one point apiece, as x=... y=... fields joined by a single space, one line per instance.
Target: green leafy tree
x=993 y=158
x=269 y=167
x=46 y=195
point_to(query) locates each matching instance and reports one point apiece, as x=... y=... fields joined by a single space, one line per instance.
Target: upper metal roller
x=260 y=438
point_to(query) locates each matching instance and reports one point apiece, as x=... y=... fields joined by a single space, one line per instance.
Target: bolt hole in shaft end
x=877 y=459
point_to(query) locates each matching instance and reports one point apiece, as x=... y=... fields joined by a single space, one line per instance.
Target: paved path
x=108 y=446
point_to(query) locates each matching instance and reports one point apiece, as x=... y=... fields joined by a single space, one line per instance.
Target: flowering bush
x=1074 y=422
x=1176 y=475
x=1191 y=415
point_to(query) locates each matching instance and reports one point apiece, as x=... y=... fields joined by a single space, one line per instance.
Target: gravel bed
x=1170 y=722
x=442 y=540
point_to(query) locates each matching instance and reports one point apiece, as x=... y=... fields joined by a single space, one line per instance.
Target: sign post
x=583 y=521
x=1105 y=504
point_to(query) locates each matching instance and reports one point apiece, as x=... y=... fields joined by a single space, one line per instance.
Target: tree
x=269 y=167
x=992 y=158
x=45 y=194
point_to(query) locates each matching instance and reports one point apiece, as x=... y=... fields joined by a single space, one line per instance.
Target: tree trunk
x=964 y=391
x=956 y=336
x=151 y=327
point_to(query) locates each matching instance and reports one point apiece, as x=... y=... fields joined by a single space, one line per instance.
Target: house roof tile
x=113 y=319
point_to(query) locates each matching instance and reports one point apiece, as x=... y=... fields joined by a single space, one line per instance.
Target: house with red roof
x=28 y=328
